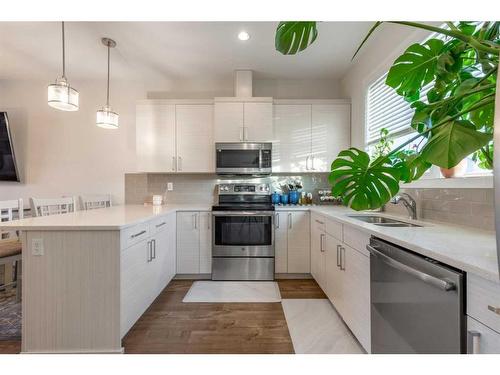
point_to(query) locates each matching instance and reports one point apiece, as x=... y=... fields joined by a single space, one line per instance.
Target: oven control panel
x=244 y=189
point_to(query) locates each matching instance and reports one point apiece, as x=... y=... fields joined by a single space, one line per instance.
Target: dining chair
x=91 y=202
x=10 y=245
x=52 y=206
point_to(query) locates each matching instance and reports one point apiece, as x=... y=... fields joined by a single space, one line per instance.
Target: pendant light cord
x=107 y=92
x=63 y=53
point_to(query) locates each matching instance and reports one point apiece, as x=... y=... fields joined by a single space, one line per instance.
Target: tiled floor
x=171 y=326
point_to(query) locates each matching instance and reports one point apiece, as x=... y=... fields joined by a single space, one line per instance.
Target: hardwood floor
x=170 y=326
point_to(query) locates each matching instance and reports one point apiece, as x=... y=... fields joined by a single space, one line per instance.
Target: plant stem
x=454 y=34
x=440 y=123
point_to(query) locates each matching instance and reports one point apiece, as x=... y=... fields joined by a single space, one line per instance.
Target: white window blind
x=386 y=109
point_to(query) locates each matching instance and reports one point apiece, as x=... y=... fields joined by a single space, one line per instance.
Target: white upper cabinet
x=195 y=144
x=308 y=136
x=168 y=132
x=239 y=120
x=258 y=122
x=292 y=137
x=228 y=119
x=155 y=137
x=330 y=132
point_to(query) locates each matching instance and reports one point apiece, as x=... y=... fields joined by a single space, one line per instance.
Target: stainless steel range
x=243 y=233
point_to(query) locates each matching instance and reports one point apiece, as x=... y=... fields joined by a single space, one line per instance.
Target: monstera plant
x=455 y=117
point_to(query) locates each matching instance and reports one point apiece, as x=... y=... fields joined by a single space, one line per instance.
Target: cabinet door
x=205 y=242
x=136 y=283
x=333 y=274
x=292 y=138
x=299 y=242
x=188 y=242
x=164 y=252
x=280 y=243
x=228 y=122
x=318 y=251
x=155 y=138
x=481 y=339
x=356 y=294
x=331 y=133
x=258 y=122
x=195 y=144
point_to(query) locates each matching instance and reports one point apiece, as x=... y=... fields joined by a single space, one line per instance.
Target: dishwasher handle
x=425 y=277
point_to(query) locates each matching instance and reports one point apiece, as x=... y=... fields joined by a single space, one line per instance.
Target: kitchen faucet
x=408 y=202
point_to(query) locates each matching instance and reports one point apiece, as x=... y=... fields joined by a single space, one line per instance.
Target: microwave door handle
x=429 y=279
x=260 y=159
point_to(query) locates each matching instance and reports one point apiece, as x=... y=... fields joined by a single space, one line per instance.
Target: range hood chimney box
x=243 y=83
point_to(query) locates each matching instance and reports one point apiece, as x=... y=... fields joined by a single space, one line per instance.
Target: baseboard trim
x=193 y=276
x=284 y=276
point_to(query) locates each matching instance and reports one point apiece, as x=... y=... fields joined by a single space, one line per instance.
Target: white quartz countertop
x=469 y=249
x=112 y=218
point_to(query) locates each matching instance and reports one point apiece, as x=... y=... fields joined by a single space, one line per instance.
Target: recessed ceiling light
x=243 y=35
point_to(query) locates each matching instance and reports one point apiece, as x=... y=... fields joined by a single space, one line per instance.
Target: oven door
x=243 y=234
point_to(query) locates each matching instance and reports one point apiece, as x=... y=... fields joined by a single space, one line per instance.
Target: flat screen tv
x=8 y=167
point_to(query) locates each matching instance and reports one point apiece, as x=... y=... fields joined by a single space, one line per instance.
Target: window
x=386 y=109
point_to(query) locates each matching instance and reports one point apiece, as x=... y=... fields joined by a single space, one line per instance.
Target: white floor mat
x=233 y=291
x=316 y=328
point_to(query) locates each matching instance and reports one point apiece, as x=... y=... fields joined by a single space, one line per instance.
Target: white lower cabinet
x=292 y=242
x=194 y=242
x=343 y=273
x=481 y=339
x=146 y=267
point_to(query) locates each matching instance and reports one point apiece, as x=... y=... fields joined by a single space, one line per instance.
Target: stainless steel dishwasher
x=417 y=303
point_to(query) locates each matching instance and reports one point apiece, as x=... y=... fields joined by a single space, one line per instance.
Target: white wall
x=64 y=153
x=375 y=59
x=275 y=88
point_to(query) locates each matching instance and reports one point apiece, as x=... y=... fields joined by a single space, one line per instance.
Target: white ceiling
x=174 y=51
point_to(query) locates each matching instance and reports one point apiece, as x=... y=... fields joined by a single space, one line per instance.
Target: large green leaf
x=453 y=141
x=415 y=68
x=293 y=37
x=410 y=164
x=360 y=184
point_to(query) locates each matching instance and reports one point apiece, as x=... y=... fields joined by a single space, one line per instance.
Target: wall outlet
x=170 y=186
x=37 y=246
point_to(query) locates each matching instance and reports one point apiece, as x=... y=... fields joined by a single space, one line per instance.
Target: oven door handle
x=425 y=277
x=243 y=213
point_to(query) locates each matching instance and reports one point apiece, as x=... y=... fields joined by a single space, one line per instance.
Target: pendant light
x=61 y=95
x=106 y=118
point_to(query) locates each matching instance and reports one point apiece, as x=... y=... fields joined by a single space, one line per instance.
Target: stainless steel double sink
x=383 y=221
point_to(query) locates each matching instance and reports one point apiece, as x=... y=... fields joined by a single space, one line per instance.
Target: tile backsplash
x=469 y=207
x=200 y=188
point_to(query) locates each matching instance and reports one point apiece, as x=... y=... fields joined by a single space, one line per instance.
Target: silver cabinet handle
x=307 y=162
x=277 y=224
x=319 y=222
x=173 y=163
x=429 y=279
x=290 y=220
x=245 y=133
x=208 y=220
x=150 y=254
x=153 y=249
x=195 y=221
x=312 y=163
x=322 y=242
x=241 y=133
x=161 y=224
x=338 y=256
x=179 y=165
x=473 y=342
x=494 y=309
x=138 y=234
x=342 y=258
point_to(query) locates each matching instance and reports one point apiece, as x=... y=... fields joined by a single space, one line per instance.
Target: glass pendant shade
x=62 y=96
x=106 y=118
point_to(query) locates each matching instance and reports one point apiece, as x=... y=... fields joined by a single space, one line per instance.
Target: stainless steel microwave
x=243 y=158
